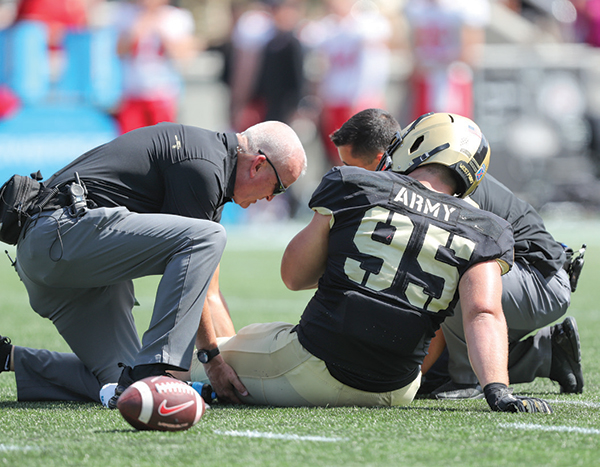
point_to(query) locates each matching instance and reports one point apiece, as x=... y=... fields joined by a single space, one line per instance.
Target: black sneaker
x=5 y=349
x=131 y=375
x=457 y=391
x=566 y=357
x=125 y=380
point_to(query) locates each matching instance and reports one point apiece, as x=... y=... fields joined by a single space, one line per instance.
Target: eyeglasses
x=278 y=189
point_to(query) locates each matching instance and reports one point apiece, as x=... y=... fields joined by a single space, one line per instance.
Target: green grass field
x=428 y=433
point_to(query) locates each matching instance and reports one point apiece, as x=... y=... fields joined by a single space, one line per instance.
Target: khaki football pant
x=278 y=371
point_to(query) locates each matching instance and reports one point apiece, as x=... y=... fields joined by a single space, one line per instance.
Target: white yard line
x=556 y=428
x=283 y=436
x=582 y=403
x=11 y=447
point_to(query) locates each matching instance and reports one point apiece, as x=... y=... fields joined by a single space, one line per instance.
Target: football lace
x=174 y=387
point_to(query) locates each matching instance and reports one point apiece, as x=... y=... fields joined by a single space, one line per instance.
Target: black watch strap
x=205 y=356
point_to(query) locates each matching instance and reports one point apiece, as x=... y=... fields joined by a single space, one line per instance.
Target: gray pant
x=530 y=303
x=82 y=281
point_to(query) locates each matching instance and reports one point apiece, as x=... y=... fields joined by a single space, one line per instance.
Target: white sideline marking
x=287 y=437
x=582 y=403
x=11 y=447
x=562 y=429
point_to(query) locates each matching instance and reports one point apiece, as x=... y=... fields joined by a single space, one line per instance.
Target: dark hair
x=368 y=132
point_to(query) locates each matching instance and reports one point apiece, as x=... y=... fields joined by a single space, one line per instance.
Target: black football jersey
x=397 y=251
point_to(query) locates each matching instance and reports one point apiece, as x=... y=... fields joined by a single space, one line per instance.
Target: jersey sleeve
x=341 y=187
x=326 y=198
x=506 y=245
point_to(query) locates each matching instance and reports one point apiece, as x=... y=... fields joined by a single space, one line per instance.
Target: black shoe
x=566 y=357
x=5 y=350
x=429 y=385
x=125 y=380
x=131 y=375
x=457 y=391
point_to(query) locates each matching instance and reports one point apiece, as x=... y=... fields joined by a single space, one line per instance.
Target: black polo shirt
x=534 y=245
x=165 y=168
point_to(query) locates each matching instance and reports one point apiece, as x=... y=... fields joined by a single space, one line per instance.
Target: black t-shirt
x=166 y=168
x=281 y=78
x=533 y=243
x=396 y=254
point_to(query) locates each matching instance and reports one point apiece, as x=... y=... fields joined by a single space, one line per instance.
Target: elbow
x=296 y=285
x=294 y=280
x=290 y=280
x=289 y=271
x=292 y=286
x=485 y=316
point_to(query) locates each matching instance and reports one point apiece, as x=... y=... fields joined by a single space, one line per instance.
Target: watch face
x=203 y=356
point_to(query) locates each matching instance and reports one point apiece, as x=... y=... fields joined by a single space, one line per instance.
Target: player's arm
x=222 y=377
x=436 y=347
x=485 y=328
x=219 y=312
x=216 y=305
x=304 y=259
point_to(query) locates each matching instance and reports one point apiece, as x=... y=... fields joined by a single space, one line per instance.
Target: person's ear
x=257 y=163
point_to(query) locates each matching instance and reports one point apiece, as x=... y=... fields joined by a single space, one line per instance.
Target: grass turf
x=427 y=433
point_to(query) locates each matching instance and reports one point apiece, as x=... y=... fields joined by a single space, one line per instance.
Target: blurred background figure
x=252 y=30
x=352 y=42
x=58 y=15
x=588 y=21
x=264 y=63
x=280 y=82
x=155 y=38
x=445 y=39
x=264 y=73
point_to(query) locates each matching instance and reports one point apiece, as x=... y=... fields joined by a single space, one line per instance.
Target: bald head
x=280 y=143
x=270 y=159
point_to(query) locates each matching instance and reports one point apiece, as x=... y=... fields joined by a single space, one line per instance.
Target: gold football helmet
x=441 y=138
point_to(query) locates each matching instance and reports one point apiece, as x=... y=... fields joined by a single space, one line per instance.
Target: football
x=161 y=403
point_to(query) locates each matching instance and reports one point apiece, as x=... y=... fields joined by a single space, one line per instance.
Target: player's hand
x=224 y=380
x=501 y=399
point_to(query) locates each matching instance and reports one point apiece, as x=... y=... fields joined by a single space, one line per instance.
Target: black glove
x=501 y=399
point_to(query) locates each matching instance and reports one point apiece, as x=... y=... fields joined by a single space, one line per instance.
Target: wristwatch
x=205 y=356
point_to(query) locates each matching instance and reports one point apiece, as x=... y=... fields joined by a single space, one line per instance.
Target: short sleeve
x=326 y=198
